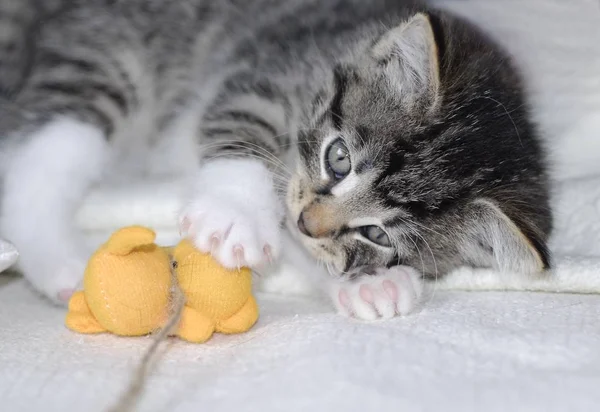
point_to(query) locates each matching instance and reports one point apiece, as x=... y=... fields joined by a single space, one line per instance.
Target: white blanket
x=487 y=351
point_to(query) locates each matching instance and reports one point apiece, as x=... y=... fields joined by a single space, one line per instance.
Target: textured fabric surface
x=127 y=286
x=464 y=351
x=217 y=299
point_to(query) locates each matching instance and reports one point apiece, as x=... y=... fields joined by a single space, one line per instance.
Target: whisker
x=256 y=149
x=329 y=270
x=422 y=226
x=434 y=265
x=254 y=154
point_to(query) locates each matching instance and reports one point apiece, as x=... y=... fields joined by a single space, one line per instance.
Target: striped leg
x=235 y=211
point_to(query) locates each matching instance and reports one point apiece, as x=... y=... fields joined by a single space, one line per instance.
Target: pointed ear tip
x=420 y=25
x=420 y=17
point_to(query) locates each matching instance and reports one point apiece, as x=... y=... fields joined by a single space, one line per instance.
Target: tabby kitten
x=404 y=130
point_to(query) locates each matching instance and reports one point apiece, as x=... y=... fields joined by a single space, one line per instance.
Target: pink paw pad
x=366 y=294
x=344 y=299
x=391 y=290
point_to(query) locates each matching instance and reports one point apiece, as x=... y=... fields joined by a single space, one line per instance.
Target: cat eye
x=337 y=159
x=376 y=235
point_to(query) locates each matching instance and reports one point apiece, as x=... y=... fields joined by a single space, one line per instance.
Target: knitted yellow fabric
x=127 y=286
x=217 y=299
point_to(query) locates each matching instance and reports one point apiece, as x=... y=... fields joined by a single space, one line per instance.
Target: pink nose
x=318 y=221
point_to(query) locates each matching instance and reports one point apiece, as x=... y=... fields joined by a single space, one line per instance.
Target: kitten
x=398 y=136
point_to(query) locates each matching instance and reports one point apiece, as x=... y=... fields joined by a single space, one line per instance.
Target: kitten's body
x=151 y=86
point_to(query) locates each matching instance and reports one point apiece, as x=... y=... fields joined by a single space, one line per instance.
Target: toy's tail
x=125 y=240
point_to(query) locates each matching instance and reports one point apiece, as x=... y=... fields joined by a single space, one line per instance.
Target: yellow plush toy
x=129 y=281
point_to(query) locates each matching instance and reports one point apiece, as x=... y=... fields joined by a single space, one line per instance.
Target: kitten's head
x=420 y=151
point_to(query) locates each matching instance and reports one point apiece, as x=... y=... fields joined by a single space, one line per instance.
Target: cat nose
x=302 y=225
x=316 y=221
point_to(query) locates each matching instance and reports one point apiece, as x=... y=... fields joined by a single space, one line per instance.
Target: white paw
x=235 y=215
x=234 y=234
x=54 y=277
x=390 y=292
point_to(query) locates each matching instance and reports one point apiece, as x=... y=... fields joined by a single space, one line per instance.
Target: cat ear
x=408 y=55
x=493 y=239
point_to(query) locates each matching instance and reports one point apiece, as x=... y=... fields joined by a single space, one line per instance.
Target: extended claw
x=238 y=252
x=215 y=241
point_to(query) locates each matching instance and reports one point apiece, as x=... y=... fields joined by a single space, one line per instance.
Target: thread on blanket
x=131 y=396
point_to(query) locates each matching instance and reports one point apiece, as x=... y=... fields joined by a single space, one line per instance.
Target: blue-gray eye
x=337 y=159
x=376 y=235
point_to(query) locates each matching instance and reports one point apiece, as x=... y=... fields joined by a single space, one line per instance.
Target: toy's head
x=209 y=287
x=127 y=282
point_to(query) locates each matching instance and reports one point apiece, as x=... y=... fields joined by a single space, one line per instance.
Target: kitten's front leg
x=383 y=295
x=234 y=213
